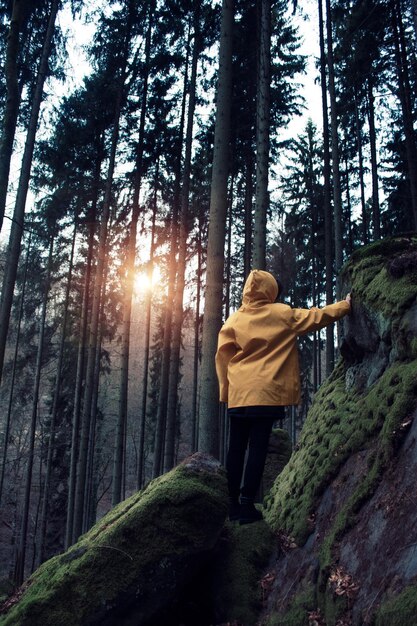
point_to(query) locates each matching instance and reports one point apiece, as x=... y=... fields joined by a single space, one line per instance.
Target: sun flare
x=145 y=281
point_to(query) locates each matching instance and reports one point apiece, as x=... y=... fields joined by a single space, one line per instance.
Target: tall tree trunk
x=328 y=217
x=337 y=195
x=79 y=502
x=130 y=275
x=196 y=359
x=54 y=411
x=81 y=359
x=182 y=256
x=21 y=550
x=13 y=376
x=262 y=135
x=209 y=405
x=247 y=254
x=13 y=250
x=365 y=237
x=20 y=12
x=404 y=91
x=166 y=347
x=148 y=309
x=376 y=215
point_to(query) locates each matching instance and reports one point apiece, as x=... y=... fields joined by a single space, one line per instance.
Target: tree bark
x=13 y=376
x=79 y=502
x=172 y=398
x=337 y=195
x=129 y=282
x=21 y=549
x=404 y=90
x=54 y=411
x=262 y=136
x=20 y=12
x=376 y=214
x=209 y=406
x=13 y=250
x=328 y=217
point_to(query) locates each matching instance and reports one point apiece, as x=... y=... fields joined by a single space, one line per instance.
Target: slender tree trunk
x=209 y=405
x=161 y=418
x=81 y=359
x=54 y=411
x=262 y=136
x=404 y=90
x=21 y=550
x=13 y=376
x=365 y=237
x=337 y=195
x=376 y=215
x=130 y=275
x=13 y=251
x=79 y=503
x=148 y=309
x=182 y=258
x=247 y=254
x=328 y=217
x=20 y=12
x=196 y=359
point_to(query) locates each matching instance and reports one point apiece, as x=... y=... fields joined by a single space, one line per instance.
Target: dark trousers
x=250 y=428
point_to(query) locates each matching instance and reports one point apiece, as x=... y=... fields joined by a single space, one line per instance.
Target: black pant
x=250 y=428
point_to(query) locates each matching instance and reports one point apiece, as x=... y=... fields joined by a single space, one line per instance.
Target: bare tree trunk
x=20 y=12
x=182 y=257
x=161 y=418
x=54 y=411
x=337 y=195
x=148 y=308
x=196 y=360
x=365 y=237
x=21 y=550
x=81 y=359
x=79 y=502
x=376 y=215
x=13 y=376
x=209 y=405
x=328 y=217
x=247 y=254
x=13 y=250
x=130 y=275
x=404 y=90
x=262 y=136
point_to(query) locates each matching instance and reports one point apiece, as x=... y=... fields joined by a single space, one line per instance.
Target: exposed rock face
x=347 y=500
x=133 y=562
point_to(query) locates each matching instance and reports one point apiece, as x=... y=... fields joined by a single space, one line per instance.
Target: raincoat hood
x=260 y=288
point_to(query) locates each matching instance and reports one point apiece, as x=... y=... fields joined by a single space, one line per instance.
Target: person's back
x=258 y=372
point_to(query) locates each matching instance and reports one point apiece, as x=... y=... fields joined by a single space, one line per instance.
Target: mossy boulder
x=134 y=561
x=279 y=453
x=345 y=505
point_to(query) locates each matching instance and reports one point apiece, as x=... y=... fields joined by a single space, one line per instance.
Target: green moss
x=297 y=613
x=119 y=549
x=245 y=552
x=398 y=611
x=367 y=274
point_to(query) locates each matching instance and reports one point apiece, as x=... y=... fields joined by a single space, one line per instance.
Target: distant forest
x=133 y=206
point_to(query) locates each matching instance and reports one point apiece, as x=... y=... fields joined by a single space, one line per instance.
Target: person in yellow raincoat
x=258 y=372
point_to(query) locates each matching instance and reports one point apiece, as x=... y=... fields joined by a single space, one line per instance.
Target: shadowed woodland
x=147 y=162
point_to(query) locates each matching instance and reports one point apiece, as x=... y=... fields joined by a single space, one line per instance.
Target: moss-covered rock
x=242 y=556
x=338 y=496
x=136 y=559
x=279 y=453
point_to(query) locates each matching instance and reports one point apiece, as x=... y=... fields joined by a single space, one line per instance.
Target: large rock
x=345 y=507
x=136 y=560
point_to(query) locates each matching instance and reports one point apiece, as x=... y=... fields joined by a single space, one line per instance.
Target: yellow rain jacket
x=257 y=357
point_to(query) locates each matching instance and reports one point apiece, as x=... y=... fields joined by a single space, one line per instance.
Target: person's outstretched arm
x=307 y=320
